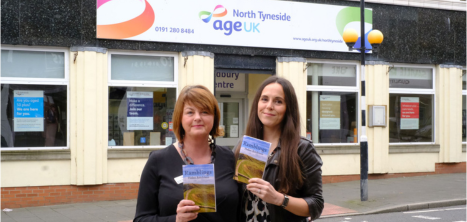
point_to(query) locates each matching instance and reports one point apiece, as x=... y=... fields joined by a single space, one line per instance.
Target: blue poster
x=28 y=110
x=140 y=111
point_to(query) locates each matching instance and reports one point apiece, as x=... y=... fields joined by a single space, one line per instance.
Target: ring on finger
x=259 y=191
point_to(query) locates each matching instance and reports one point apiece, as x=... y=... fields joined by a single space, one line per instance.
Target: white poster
x=140 y=111
x=329 y=112
x=270 y=24
x=28 y=111
x=233 y=131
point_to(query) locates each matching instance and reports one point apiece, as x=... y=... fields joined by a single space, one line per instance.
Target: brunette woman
x=291 y=188
x=195 y=123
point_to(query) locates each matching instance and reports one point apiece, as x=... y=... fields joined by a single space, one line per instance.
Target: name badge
x=179 y=179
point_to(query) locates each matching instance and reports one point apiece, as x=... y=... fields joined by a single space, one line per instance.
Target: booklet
x=252 y=159
x=199 y=186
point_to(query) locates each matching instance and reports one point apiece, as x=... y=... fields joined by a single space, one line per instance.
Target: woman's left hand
x=264 y=190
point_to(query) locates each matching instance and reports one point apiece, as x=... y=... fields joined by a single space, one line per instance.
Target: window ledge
x=27 y=155
x=136 y=153
x=411 y=148
x=333 y=150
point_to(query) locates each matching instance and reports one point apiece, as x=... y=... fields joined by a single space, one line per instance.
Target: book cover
x=252 y=159
x=199 y=185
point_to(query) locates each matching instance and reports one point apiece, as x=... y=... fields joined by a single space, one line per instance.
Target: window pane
x=463 y=117
x=33 y=64
x=142 y=68
x=418 y=78
x=332 y=117
x=410 y=118
x=141 y=116
x=34 y=115
x=331 y=75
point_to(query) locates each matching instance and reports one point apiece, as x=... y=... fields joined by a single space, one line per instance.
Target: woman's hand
x=185 y=211
x=264 y=190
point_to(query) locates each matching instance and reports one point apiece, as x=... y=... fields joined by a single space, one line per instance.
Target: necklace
x=188 y=161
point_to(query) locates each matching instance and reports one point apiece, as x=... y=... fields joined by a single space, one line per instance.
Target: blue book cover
x=252 y=159
x=199 y=185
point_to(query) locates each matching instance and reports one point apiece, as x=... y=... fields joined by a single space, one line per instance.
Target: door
x=231 y=120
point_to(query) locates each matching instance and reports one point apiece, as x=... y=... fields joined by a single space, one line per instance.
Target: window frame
x=464 y=93
x=354 y=89
x=148 y=84
x=43 y=81
x=417 y=91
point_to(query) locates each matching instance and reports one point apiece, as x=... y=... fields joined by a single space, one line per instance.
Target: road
x=448 y=214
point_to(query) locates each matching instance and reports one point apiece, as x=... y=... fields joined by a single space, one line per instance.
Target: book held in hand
x=252 y=159
x=199 y=186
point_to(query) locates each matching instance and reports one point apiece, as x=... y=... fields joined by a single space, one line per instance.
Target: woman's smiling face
x=271 y=106
x=196 y=122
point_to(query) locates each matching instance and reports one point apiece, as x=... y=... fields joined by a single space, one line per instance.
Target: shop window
x=34 y=94
x=332 y=103
x=411 y=105
x=142 y=94
x=464 y=95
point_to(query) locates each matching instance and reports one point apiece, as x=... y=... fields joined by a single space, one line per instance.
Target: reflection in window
x=34 y=115
x=331 y=75
x=410 y=118
x=332 y=117
x=141 y=116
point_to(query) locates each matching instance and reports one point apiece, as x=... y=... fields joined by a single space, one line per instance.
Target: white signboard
x=230 y=82
x=140 y=111
x=329 y=112
x=28 y=111
x=271 y=24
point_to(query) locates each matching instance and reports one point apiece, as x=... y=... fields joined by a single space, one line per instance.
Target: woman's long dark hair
x=290 y=173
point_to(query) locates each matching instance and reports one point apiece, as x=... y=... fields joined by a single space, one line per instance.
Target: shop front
x=83 y=104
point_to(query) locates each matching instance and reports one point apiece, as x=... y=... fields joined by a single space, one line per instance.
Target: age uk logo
x=206 y=16
x=227 y=26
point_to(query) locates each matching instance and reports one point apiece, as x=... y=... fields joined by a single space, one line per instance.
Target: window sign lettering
x=28 y=111
x=330 y=107
x=230 y=82
x=404 y=77
x=410 y=110
x=140 y=110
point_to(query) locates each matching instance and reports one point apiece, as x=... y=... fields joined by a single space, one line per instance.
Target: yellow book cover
x=252 y=159
x=199 y=185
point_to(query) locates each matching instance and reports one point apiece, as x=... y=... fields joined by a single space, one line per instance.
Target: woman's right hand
x=185 y=211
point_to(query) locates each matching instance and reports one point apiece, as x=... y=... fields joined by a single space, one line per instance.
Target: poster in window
x=329 y=112
x=140 y=111
x=28 y=110
x=410 y=107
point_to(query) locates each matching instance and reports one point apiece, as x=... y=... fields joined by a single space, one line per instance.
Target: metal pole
x=363 y=138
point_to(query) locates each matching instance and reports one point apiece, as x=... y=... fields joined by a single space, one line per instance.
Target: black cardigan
x=159 y=194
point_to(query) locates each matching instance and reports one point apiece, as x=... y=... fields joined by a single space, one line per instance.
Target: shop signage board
x=28 y=110
x=270 y=24
x=329 y=112
x=230 y=82
x=410 y=109
x=140 y=111
x=404 y=77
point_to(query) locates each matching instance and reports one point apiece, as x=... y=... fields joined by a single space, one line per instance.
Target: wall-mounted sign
x=329 y=112
x=230 y=82
x=271 y=24
x=28 y=111
x=410 y=109
x=140 y=111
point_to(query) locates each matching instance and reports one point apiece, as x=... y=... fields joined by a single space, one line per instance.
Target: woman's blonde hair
x=200 y=97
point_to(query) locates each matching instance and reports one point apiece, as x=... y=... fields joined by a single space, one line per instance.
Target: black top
x=159 y=194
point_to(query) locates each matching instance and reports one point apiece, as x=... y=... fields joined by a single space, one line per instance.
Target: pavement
x=384 y=195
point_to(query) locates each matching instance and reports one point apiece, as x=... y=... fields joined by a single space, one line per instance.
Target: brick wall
x=18 y=197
